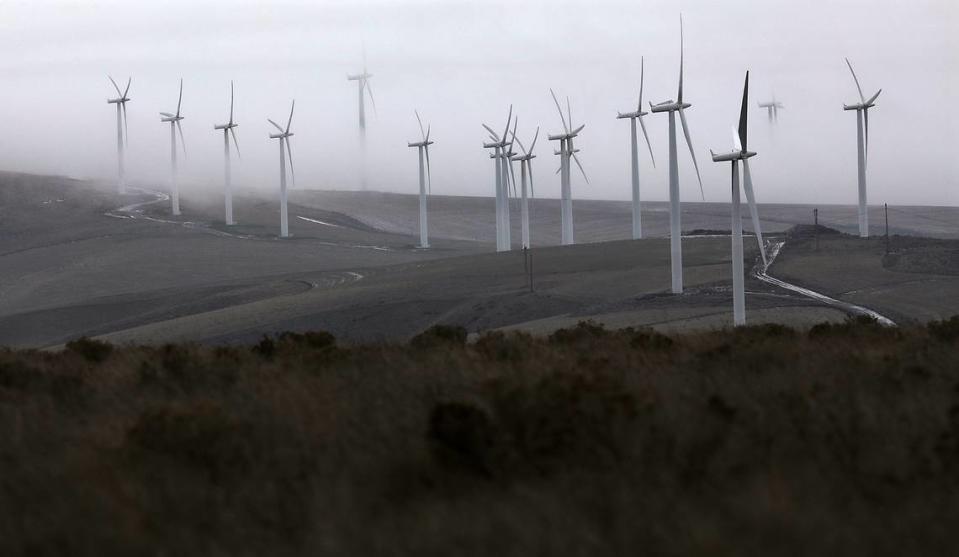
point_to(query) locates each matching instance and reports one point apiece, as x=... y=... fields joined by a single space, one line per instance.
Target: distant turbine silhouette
x=363 y=88
x=228 y=131
x=862 y=145
x=423 y=148
x=285 y=152
x=174 y=120
x=634 y=153
x=526 y=171
x=566 y=152
x=121 y=102
x=501 y=146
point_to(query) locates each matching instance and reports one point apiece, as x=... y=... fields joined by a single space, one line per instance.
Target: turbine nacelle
x=731 y=156
x=634 y=114
x=170 y=117
x=116 y=101
x=359 y=77
x=420 y=144
x=225 y=126
x=668 y=106
x=281 y=135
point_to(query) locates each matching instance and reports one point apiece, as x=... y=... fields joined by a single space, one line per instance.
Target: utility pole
x=528 y=257
x=885 y=207
x=815 y=217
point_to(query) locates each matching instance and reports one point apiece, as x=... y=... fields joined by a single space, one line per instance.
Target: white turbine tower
x=675 y=219
x=174 y=120
x=228 y=130
x=526 y=171
x=363 y=88
x=862 y=145
x=634 y=153
x=501 y=147
x=285 y=152
x=423 y=148
x=772 y=109
x=122 y=129
x=741 y=153
x=566 y=152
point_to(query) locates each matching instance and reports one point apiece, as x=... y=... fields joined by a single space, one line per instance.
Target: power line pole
x=815 y=216
x=885 y=207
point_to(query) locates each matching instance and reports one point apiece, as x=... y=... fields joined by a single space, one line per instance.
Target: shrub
x=501 y=347
x=583 y=331
x=265 y=348
x=946 y=331
x=460 y=437
x=440 y=335
x=314 y=340
x=91 y=350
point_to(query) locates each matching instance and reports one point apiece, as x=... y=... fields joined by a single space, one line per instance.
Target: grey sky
x=463 y=63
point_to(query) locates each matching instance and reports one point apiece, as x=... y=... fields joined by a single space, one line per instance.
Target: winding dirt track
x=761 y=272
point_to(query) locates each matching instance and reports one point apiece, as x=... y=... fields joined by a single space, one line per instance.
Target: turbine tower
x=566 y=152
x=675 y=222
x=634 y=153
x=423 y=148
x=122 y=129
x=174 y=120
x=285 y=152
x=228 y=130
x=741 y=153
x=862 y=145
x=363 y=88
x=772 y=109
x=501 y=147
x=526 y=171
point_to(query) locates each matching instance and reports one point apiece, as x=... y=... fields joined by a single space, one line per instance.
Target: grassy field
x=838 y=440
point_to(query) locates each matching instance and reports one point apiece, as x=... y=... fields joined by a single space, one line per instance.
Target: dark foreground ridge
x=840 y=440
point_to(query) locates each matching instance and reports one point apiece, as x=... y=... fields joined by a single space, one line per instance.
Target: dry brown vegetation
x=841 y=440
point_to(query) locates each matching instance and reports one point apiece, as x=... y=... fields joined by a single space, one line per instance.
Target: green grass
x=840 y=440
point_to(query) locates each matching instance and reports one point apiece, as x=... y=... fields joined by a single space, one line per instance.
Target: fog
x=462 y=64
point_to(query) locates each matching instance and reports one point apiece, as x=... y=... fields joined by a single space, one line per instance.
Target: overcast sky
x=462 y=63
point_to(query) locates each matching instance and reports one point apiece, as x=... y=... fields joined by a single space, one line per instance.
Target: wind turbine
x=741 y=153
x=501 y=147
x=566 y=152
x=423 y=148
x=363 y=88
x=285 y=152
x=675 y=222
x=121 y=102
x=862 y=145
x=526 y=170
x=772 y=109
x=174 y=120
x=634 y=152
x=228 y=130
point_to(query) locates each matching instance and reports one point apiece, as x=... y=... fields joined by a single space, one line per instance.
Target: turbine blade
x=737 y=144
x=569 y=113
x=491 y=133
x=520 y=142
x=130 y=80
x=577 y=130
x=753 y=210
x=180 y=99
x=535 y=137
x=509 y=117
x=580 y=165
x=182 y=141
x=861 y=96
x=560 y=110
x=126 y=127
x=429 y=177
x=646 y=135
x=420 y=122
x=642 y=71
x=167 y=114
x=743 y=116
x=289 y=154
x=428 y=128
x=115 y=86
x=689 y=142
x=369 y=90
x=231 y=102
x=529 y=168
x=290 y=121
x=679 y=96
x=874 y=97
x=275 y=125
x=235 y=142
x=512 y=175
